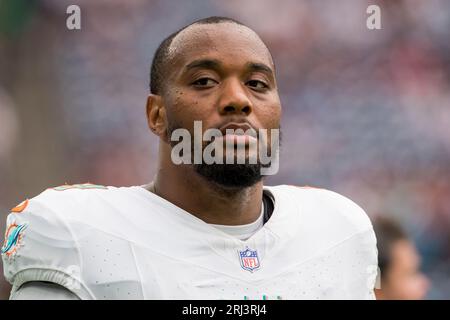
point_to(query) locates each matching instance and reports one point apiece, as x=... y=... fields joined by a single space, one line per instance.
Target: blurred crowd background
x=366 y=112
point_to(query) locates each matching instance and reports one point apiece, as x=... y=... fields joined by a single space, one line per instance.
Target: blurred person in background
x=399 y=263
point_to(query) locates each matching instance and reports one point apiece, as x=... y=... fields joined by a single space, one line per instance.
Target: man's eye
x=204 y=82
x=257 y=84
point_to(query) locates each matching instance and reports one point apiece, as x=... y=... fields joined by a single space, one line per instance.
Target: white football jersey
x=128 y=243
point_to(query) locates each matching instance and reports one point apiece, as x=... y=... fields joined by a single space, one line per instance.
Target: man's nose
x=234 y=99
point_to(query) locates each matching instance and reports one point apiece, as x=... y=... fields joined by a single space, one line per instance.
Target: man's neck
x=206 y=200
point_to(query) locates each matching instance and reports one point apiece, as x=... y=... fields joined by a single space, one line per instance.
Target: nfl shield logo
x=249 y=259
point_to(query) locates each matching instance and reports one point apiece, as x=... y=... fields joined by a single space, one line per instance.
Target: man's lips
x=239 y=133
x=235 y=126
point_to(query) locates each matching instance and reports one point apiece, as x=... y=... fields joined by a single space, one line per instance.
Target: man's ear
x=156 y=116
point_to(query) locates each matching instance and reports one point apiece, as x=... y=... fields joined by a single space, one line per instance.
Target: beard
x=231 y=176
x=234 y=176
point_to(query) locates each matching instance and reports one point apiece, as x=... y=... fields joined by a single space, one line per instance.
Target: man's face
x=221 y=74
x=404 y=280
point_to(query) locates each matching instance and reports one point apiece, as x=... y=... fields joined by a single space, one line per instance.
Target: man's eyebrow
x=254 y=66
x=216 y=64
x=204 y=64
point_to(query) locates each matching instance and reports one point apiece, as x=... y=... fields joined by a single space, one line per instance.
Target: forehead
x=225 y=41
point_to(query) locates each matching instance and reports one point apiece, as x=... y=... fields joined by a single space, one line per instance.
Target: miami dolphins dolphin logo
x=13 y=238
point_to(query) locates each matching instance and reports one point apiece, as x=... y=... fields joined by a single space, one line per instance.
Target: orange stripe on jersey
x=20 y=207
x=78 y=186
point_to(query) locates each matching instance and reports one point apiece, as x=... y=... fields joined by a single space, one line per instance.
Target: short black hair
x=388 y=232
x=158 y=67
